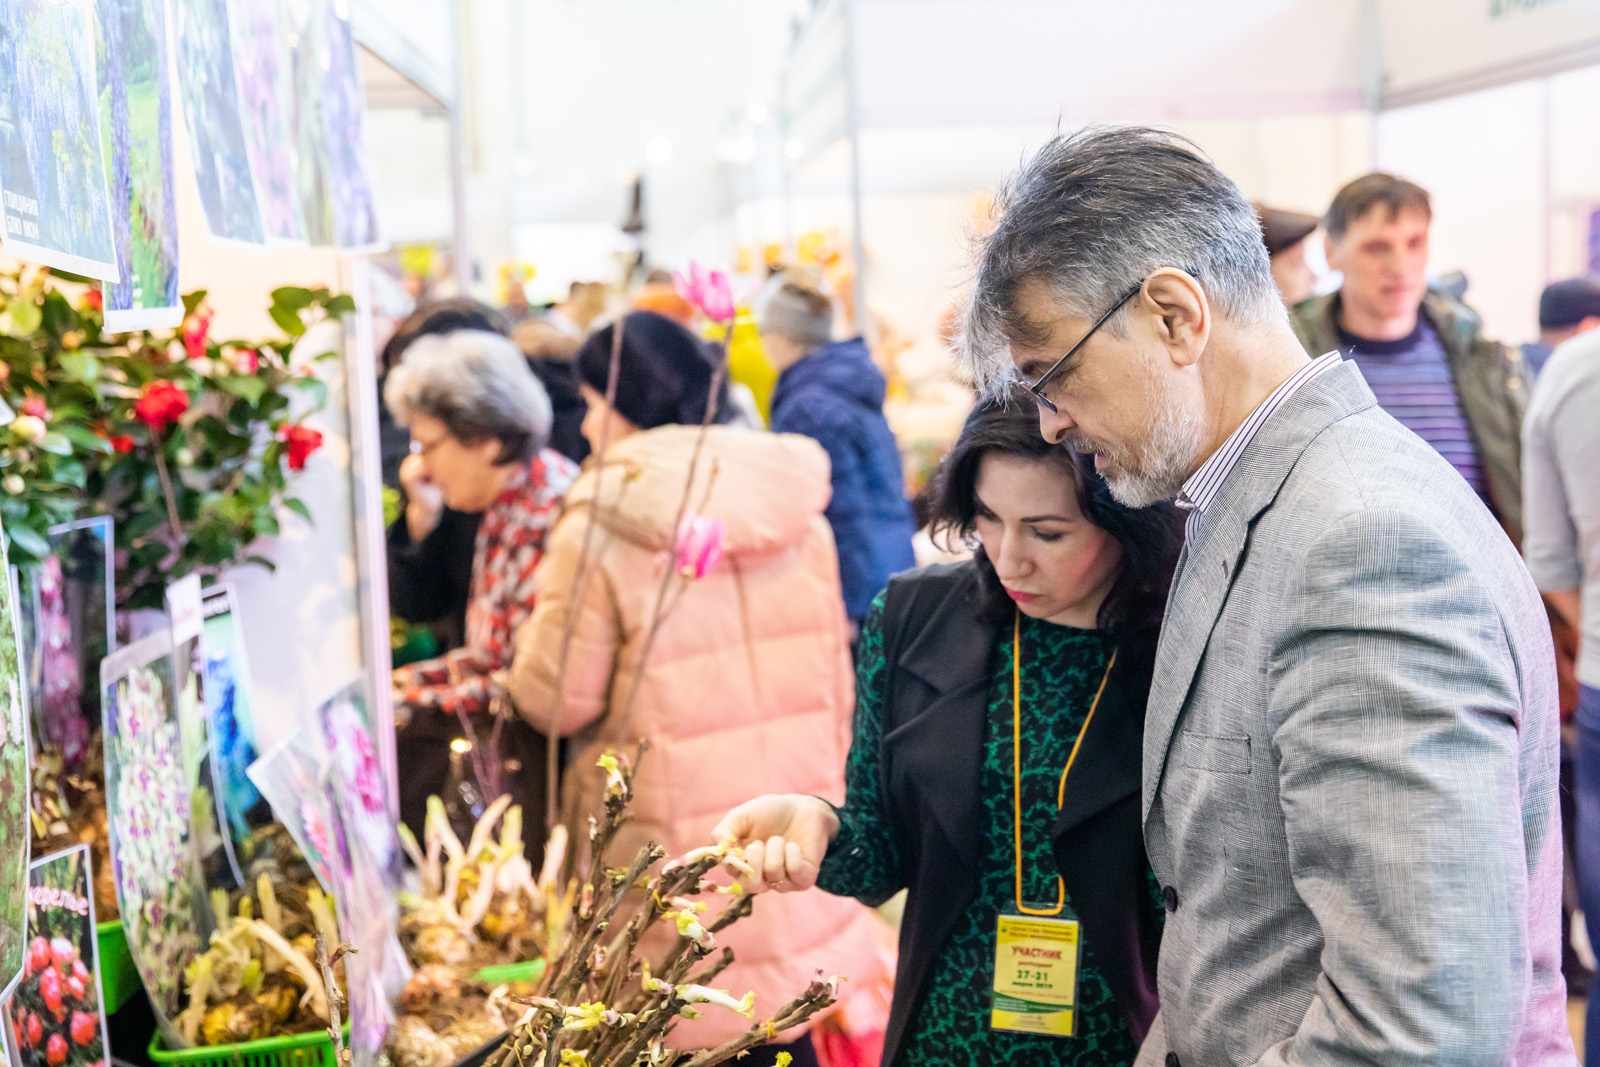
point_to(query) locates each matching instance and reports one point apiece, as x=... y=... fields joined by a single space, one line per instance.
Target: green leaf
x=288 y=319
x=28 y=539
x=262 y=561
x=149 y=554
x=84 y=438
x=298 y=506
x=193 y=300
x=80 y=365
x=266 y=524
x=25 y=314
x=142 y=522
x=342 y=304
x=315 y=387
x=244 y=386
x=292 y=296
x=56 y=444
x=72 y=472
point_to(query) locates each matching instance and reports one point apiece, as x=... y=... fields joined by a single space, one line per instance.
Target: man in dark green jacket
x=1423 y=352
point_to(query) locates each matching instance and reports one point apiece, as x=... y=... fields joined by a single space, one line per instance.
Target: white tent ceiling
x=1017 y=62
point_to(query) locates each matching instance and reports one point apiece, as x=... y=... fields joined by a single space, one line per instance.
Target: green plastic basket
x=119 y=978
x=297 y=1050
x=505 y=973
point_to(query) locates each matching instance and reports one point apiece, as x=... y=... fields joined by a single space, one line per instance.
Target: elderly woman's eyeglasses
x=1038 y=387
x=422 y=448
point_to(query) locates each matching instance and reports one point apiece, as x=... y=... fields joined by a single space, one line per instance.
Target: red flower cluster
x=196 y=328
x=160 y=403
x=120 y=442
x=61 y=992
x=35 y=405
x=302 y=441
x=92 y=299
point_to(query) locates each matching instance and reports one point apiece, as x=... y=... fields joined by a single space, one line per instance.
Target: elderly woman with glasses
x=479 y=423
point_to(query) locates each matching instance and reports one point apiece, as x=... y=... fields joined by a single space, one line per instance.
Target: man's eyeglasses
x=1037 y=388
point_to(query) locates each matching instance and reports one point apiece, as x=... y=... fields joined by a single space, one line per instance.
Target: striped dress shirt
x=1204 y=484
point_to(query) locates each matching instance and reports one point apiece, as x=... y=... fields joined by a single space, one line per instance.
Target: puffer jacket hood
x=844 y=368
x=835 y=397
x=767 y=489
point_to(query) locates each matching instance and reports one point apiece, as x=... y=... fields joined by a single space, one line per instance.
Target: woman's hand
x=424 y=501
x=784 y=839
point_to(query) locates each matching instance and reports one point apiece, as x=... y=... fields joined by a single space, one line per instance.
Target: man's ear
x=1182 y=314
x=1330 y=252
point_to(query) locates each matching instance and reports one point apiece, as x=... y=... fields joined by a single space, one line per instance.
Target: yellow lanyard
x=1016 y=761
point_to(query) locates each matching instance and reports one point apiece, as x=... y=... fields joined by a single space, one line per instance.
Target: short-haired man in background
x=1566 y=309
x=1349 y=781
x=1561 y=459
x=833 y=392
x=1423 y=354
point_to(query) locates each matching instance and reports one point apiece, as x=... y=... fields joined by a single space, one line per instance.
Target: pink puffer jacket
x=748 y=688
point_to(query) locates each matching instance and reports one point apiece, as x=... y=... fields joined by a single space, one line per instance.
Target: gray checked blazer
x=1350 y=764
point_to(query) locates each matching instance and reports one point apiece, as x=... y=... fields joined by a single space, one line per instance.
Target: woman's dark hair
x=441 y=316
x=1150 y=538
x=664 y=374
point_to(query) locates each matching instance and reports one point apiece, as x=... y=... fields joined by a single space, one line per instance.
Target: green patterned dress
x=1062 y=669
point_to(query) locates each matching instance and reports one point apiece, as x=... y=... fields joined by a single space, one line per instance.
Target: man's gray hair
x=478 y=384
x=1091 y=215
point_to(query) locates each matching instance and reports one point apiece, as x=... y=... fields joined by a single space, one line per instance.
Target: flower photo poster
x=148 y=812
x=56 y=206
x=355 y=217
x=230 y=719
x=136 y=121
x=15 y=835
x=219 y=864
x=66 y=627
x=57 y=1019
x=360 y=784
x=218 y=147
x=261 y=62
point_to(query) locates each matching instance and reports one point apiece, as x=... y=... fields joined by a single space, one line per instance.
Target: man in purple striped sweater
x=1422 y=352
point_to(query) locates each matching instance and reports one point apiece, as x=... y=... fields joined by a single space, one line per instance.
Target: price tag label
x=1036 y=975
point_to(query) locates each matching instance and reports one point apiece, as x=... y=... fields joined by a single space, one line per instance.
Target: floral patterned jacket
x=511 y=540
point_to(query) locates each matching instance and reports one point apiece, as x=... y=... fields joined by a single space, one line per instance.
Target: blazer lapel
x=940 y=747
x=1207 y=568
x=1192 y=610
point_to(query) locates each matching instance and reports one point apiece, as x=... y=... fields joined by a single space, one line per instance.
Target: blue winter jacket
x=835 y=395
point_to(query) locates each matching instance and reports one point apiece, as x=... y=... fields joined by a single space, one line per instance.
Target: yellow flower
x=616 y=785
x=585 y=1016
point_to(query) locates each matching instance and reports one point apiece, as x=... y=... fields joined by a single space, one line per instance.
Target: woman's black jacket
x=937 y=674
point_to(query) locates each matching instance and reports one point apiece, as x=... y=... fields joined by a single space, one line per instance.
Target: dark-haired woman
x=995 y=768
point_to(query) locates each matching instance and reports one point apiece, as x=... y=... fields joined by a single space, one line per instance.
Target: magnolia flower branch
x=552 y=770
x=580 y=1015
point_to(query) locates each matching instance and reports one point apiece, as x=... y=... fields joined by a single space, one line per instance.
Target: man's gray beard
x=1160 y=463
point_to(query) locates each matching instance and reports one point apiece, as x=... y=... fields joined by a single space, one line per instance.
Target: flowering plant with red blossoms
x=188 y=440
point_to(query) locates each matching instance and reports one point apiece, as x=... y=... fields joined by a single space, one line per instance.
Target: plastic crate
x=297 y=1050
x=119 y=978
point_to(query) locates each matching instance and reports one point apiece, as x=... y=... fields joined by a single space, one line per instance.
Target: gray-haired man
x=1350 y=747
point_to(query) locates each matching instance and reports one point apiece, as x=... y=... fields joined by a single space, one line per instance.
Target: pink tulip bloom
x=700 y=544
x=719 y=305
x=711 y=292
